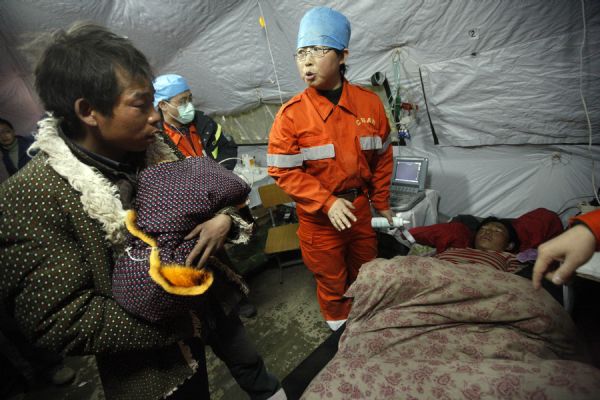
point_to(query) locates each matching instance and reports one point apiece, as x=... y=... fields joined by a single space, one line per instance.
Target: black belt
x=350 y=194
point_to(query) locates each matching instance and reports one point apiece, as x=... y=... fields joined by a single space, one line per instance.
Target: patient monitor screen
x=407 y=172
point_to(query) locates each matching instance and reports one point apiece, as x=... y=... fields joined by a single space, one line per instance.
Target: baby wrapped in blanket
x=150 y=278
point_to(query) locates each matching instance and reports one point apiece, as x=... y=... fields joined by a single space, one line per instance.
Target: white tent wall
x=501 y=78
x=509 y=180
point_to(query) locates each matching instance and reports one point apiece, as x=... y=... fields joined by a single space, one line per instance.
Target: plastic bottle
x=381 y=222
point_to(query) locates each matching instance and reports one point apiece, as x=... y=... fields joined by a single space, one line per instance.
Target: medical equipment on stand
x=379 y=79
x=408 y=112
x=403 y=113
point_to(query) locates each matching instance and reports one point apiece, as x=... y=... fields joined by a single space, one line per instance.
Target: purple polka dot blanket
x=150 y=278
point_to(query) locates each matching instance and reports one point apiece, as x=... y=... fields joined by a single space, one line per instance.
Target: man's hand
x=573 y=247
x=340 y=214
x=389 y=215
x=211 y=237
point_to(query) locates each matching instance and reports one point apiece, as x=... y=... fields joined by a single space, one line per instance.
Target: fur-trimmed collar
x=99 y=196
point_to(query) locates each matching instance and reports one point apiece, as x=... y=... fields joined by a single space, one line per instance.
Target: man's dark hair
x=343 y=67
x=6 y=122
x=82 y=63
x=513 y=237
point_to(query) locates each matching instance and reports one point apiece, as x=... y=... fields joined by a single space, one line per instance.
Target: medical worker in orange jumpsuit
x=329 y=149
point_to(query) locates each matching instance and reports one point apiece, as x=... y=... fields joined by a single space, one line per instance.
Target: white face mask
x=186 y=113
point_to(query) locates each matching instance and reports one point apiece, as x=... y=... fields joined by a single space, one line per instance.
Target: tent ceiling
x=495 y=72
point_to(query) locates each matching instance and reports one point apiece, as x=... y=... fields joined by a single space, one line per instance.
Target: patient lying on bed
x=495 y=239
x=500 y=243
x=423 y=328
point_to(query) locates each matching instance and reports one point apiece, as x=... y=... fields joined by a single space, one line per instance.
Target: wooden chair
x=280 y=238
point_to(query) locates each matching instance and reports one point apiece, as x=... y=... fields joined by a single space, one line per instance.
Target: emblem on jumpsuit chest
x=365 y=120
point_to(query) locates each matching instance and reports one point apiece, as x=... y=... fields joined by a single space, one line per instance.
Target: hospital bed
x=424 y=328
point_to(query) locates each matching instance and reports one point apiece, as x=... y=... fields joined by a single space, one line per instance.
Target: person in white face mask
x=194 y=133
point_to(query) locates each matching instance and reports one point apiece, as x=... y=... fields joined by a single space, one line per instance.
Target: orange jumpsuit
x=190 y=146
x=592 y=221
x=317 y=149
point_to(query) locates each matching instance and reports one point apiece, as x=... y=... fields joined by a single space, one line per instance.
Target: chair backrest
x=280 y=238
x=271 y=195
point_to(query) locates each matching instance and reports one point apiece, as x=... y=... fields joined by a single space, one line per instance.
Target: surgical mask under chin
x=186 y=113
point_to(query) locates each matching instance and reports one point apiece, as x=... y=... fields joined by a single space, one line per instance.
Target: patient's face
x=492 y=236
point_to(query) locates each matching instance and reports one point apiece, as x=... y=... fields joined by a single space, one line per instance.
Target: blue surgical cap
x=323 y=26
x=167 y=86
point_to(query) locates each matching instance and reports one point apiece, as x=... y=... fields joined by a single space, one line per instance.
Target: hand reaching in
x=573 y=247
x=211 y=236
x=389 y=215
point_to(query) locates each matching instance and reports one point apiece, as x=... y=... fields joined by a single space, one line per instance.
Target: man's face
x=7 y=135
x=319 y=67
x=131 y=128
x=169 y=107
x=492 y=236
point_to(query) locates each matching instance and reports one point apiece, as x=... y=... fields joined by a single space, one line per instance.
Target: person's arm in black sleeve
x=216 y=143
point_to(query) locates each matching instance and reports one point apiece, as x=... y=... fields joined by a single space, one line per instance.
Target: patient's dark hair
x=512 y=233
x=82 y=63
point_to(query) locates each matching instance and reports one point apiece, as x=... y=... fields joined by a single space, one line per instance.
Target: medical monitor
x=410 y=171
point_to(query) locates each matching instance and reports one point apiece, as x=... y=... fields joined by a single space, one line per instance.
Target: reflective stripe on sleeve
x=296 y=160
x=284 y=160
x=215 y=152
x=386 y=144
x=370 y=142
x=318 y=152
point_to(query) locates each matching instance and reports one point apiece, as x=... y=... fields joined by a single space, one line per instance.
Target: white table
x=255 y=177
x=591 y=269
